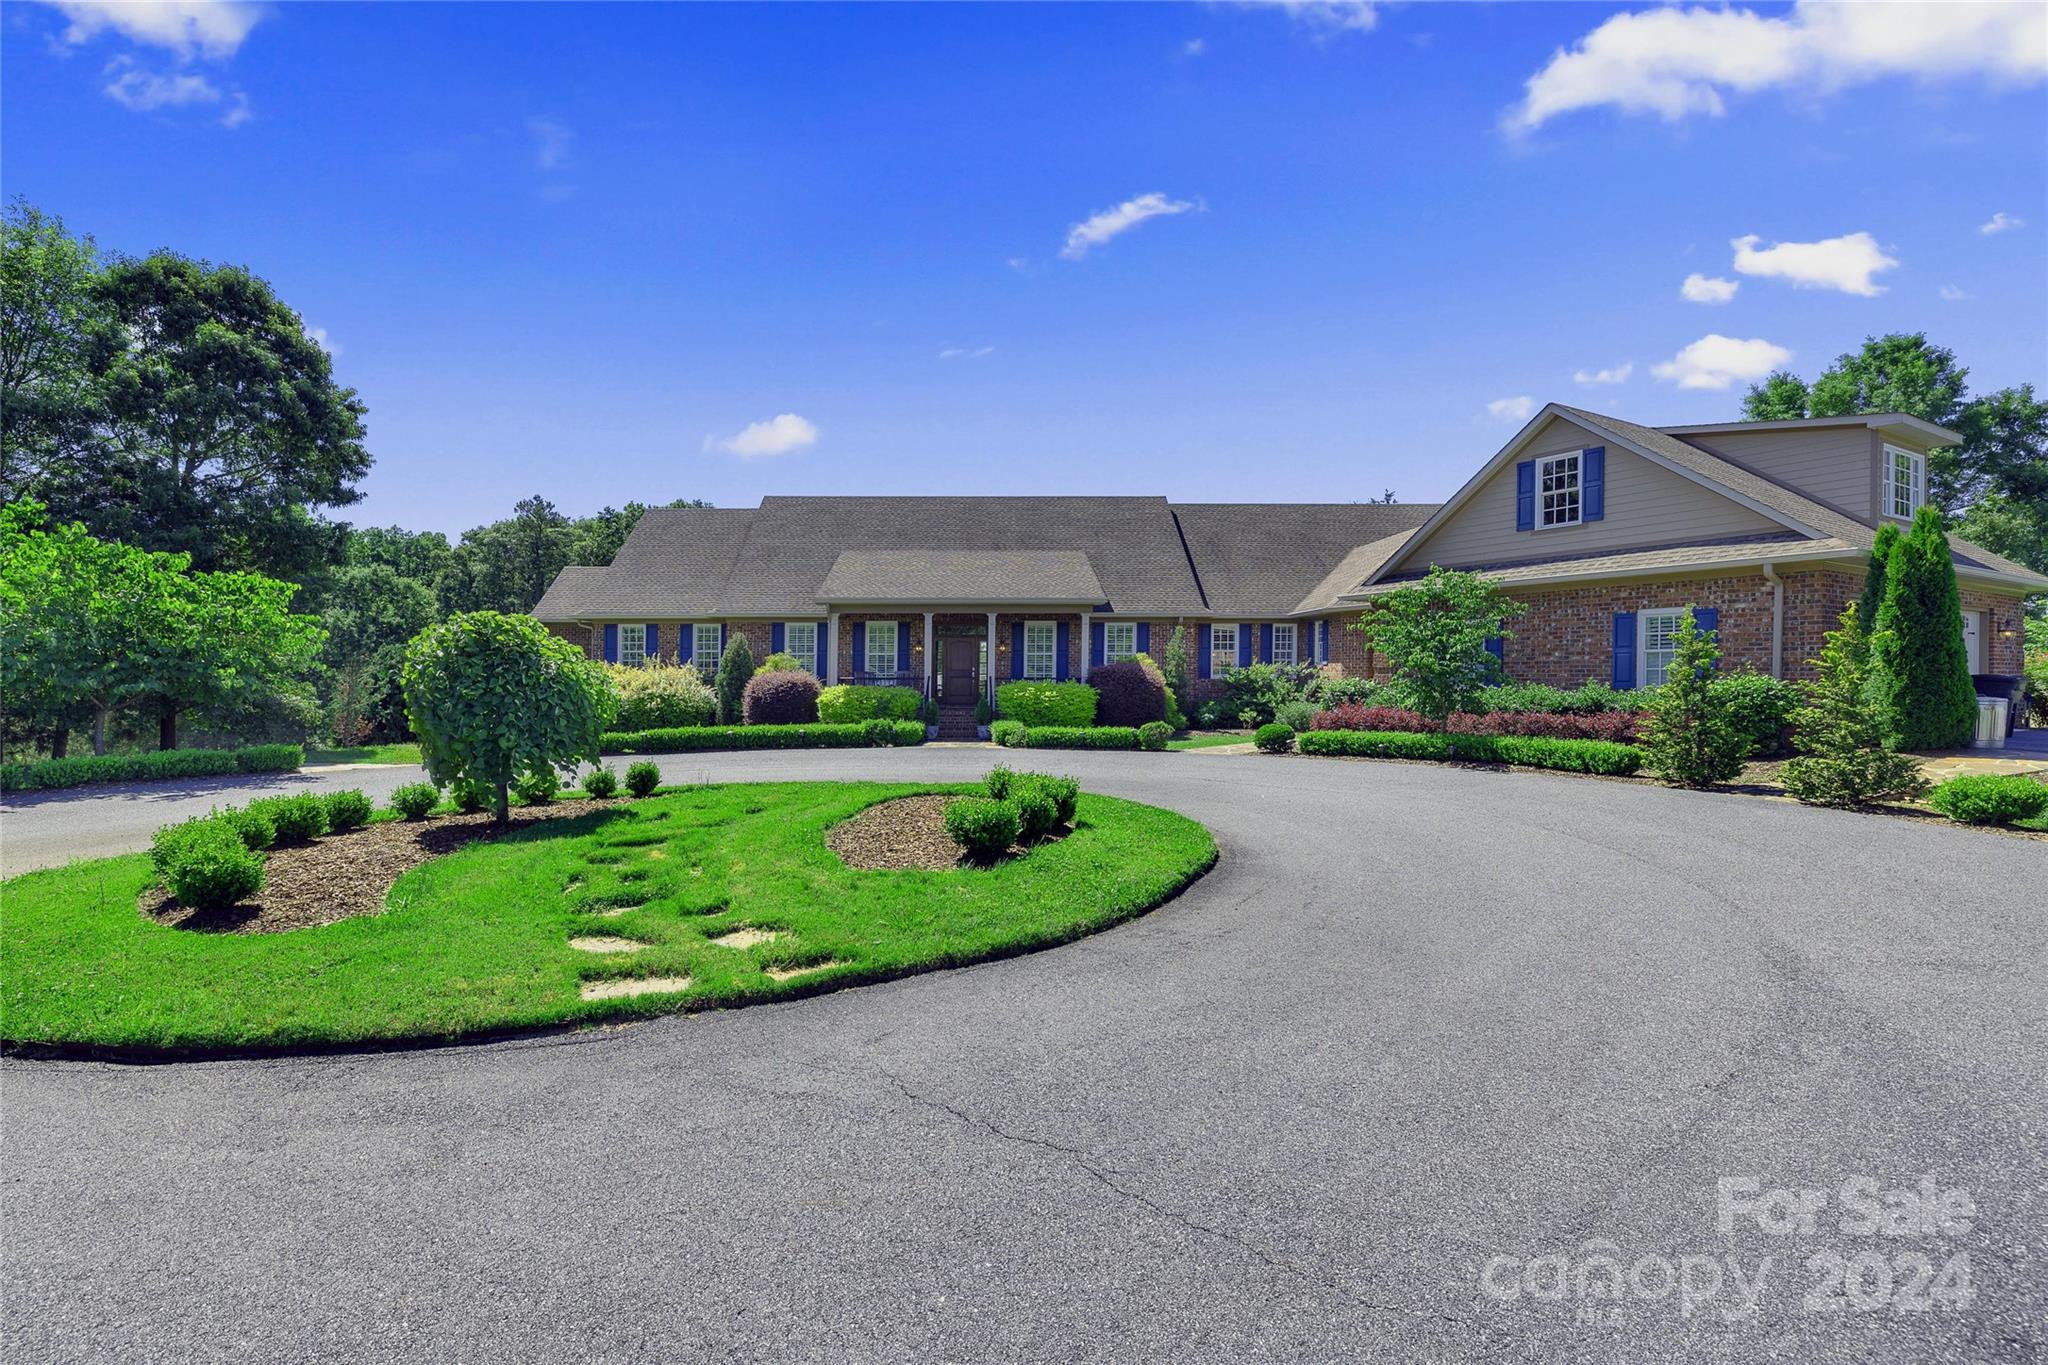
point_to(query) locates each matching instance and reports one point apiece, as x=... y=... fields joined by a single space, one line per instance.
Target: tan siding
x=1646 y=506
x=1836 y=465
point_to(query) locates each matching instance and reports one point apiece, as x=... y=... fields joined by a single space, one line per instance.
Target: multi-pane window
x=707 y=643
x=1557 y=490
x=1041 y=649
x=1905 y=482
x=882 y=647
x=800 y=642
x=1119 y=640
x=632 y=644
x=1283 y=644
x=1658 y=632
x=1222 y=648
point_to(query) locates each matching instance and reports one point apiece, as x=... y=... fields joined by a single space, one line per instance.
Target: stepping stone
x=746 y=938
x=605 y=943
x=634 y=985
x=786 y=973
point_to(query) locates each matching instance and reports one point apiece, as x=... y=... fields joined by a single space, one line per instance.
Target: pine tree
x=1691 y=737
x=735 y=671
x=1844 y=757
x=1179 y=678
x=1920 y=668
x=1874 y=579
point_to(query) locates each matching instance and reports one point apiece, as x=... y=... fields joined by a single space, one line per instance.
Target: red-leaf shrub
x=1127 y=695
x=783 y=697
x=1615 y=727
x=1352 y=716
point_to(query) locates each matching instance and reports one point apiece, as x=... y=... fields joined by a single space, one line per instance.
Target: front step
x=957 y=724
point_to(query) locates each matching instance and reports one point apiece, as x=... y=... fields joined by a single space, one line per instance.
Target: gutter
x=1777 y=620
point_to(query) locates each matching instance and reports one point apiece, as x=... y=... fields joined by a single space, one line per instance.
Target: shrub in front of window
x=1295 y=715
x=1080 y=737
x=984 y=828
x=1153 y=735
x=538 y=787
x=1919 y=665
x=848 y=703
x=1689 y=735
x=1435 y=634
x=296 y=819
x=642 y=778
x=1990 y=798
x=1252 y=694
x=347 y=810
x=735 y=671
x=1033 y=704
x=1127 y=694
x=415 y=800
x=600 y=783
x=1008 y=733
x=781 y=663
x=1275 y=738
x=782 y=697
x=661 y=696
x=1845 y=757
x=1760 y=706
x=1328 y=690
x=1179 y=673
x=1591 y=698
x=205 y=863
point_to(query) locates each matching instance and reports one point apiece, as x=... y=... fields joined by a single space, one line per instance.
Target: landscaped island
x=704 y=897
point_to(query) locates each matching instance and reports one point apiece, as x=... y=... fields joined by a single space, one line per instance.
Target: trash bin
x=1991 y=713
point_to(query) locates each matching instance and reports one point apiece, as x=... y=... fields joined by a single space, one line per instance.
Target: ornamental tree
x=1873 y=579
x=1920 y=667
x=735 y=671
x=495 y=698
x=1690 y=735
x=1436 y=634
x=1844 y=757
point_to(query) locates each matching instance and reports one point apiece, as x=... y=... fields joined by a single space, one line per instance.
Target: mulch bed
x=906 y=833
x=340 y=876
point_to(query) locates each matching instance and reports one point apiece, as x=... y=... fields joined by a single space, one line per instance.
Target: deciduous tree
x=1436 y=634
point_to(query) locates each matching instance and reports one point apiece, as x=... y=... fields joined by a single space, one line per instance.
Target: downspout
x=1777 y=620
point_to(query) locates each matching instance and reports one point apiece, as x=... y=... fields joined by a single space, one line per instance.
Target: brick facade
x=1567 y=636
x=843 y=639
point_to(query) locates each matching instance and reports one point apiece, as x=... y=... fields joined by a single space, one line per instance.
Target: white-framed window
x=1656 y=642
x=1119 y=640
x=633 y=645
x=1905 y=483
x=800 y=642
x=882 y=647
x=1041 y=649
x=707 y=646
x=1557 y=490
x=1283 y=644
x=1222 y=649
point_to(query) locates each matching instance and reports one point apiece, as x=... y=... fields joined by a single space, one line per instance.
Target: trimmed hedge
x=1989 y=798
x=1008 y=733
x=1274 y=738
x=704 y=738
x=1078 y=737
x=1568 y=755
x=846 y=704
x=205 y=863
x=1615 y=727
x=1153 y=736
x=52 y=774
x=1069 y=705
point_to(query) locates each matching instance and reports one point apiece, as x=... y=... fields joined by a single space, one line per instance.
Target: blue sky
x=651 y=251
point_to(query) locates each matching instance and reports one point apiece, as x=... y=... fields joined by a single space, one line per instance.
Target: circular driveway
x=1423 y=1032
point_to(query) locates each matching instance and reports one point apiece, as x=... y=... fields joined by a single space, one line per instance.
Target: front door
x=962 y=679
x=1973 y=639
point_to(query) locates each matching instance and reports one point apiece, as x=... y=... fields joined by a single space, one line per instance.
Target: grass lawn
x=478 y=939
x=366 y=753
x=1210 y=739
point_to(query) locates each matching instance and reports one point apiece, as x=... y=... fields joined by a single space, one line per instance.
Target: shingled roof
x=990 y=576
x=1262 y=559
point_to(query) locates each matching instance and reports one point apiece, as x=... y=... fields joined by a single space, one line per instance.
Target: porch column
x=832 y=649
x=930 y=654
x=1087 y=649
x=990 y=681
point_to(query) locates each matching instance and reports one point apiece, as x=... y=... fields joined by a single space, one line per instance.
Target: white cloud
x=1715 y=362
x=322 y=340
x=1700 y=288
x=552 y=142
x=1951 y=294
x=189 y=28
x=1194 y=47
x=776 y=436
x=1329 y=16
x=1516 y=409
x=1675 y=62
x=1616 y=374
x=2002 y=222
x=1017 y=262
x=963 y=353
x=1844 y=263
x=1085 y=236
x=133 y=88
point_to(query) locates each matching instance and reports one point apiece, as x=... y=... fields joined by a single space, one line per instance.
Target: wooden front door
x=962 y=679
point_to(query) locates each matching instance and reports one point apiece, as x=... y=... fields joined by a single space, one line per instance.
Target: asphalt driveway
x=1427 y=1051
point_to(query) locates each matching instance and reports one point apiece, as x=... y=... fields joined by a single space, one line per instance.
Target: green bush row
x=1068 y=705
x=1989 y=798
x=1065 y=736
x=1570 y=755
x=704 y=738
x=847 y=704
x=53 y=773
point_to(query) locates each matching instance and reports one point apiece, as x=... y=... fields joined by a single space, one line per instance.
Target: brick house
x=1606 y=528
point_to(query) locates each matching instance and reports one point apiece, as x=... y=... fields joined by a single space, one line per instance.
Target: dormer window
x=1557 y=490
x=1905 y=483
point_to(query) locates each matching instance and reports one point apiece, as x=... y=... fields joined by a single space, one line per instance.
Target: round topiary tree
x=494 y=698
x=783 y=697
x=1127 y=693
x=1919 y=666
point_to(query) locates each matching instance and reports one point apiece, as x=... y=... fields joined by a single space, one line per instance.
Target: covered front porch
x=959 y=657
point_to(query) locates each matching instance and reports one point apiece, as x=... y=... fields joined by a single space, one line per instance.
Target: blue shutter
x=860 y=648
x=1266 y=644
x=1498 y=648
x=611 y=644
x=1525 y=496
x=1204 y=665
x=1096 y=649
x=653 y=641
x=686 y=642
x=1324 y=653
x=775 y=638
x=1244 y=646
x=1624 y=650
x=1016 y=649
x=1593 y=483
x=1059 y=663
x=1144 y=637
x=902 y=648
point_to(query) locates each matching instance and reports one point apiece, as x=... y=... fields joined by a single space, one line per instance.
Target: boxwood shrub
x=642 y=778
x=538 y=787
x=1079 y=737
x=1153 y=735
x=415 y=800
x=346 y=809
x=1989 y=798
x=51 y=774
x=1035 y=704
x=205 y=863
x=600 y=782
x=1008 y=733
x=1037 y=811
x=984 y=827
x=1274 y=738
x=847 y=704
x=705 y=738
x=295 y=818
